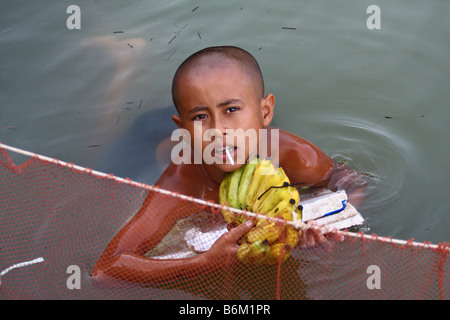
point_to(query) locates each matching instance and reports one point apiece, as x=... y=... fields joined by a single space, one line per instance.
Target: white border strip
x=296 y=224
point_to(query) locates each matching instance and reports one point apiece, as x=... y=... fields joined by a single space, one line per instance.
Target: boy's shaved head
x=218 y=58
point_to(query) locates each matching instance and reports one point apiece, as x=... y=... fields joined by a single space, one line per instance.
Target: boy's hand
x=224 y=250
x=313 y=237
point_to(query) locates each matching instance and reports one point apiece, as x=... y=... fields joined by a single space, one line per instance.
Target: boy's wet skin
x=223 y=97
x=223 y=93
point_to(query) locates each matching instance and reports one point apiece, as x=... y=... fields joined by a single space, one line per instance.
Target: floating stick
x=20 y=265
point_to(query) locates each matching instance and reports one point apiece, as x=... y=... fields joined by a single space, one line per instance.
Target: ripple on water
x=379 y=152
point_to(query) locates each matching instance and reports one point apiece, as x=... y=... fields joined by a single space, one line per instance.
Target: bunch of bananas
x=259 y=186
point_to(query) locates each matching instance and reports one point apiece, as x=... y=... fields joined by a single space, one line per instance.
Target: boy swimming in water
x=222 y=89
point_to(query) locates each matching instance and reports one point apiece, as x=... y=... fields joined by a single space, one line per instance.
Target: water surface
x=376 y=99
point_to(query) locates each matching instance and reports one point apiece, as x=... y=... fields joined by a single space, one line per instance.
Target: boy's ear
x=267 y=105
x=177 y=120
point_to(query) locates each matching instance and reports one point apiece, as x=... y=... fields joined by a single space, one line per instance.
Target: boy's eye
x=232 y=109
x=199 y=117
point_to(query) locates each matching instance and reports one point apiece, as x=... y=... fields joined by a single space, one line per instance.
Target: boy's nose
x=219 y=127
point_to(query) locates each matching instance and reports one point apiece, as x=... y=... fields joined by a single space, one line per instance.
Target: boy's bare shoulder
x=287 y=136
x=302 y=160
x=291 y=142
x=181 y=178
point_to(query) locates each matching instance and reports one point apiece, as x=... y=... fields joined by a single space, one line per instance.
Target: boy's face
x=220 y=101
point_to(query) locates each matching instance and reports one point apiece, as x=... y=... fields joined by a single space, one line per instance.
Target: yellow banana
x=295 y=195
x=298 y=210
x=273 y=198
x=223 y=190
x=223 y=195
x=243 y=251
x=263 y=168
x=246 y=178
x=288 y=206
x=233 y=184
x=278 y=251
x=287 y=214
x=253 y=253
x=241 y=189
x=291 y=236
x=265 y=230
x=278 y=178
x=228 y=196
x=258 y=252
x=283 y=207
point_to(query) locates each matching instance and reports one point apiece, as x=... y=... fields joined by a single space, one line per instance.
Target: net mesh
x=67 y=215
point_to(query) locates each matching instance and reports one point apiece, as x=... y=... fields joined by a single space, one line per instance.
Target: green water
x=377 y=99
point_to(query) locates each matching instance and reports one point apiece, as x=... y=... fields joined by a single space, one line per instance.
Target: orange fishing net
x=56 y=219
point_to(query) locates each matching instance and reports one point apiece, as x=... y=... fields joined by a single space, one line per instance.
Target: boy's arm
x=133 y=266
x=343 y=178
x=304 y=163
x=124 y=258
x=307 y=165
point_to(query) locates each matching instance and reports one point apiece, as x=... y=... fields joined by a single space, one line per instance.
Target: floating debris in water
x=195 y=9
x=289 y=28
x=118 y=31
x=171 y=54
x=177 y=34
x=387 y=117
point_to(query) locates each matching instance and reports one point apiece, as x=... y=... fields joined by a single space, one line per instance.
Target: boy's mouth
x=225 y=153
x=224 y=149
